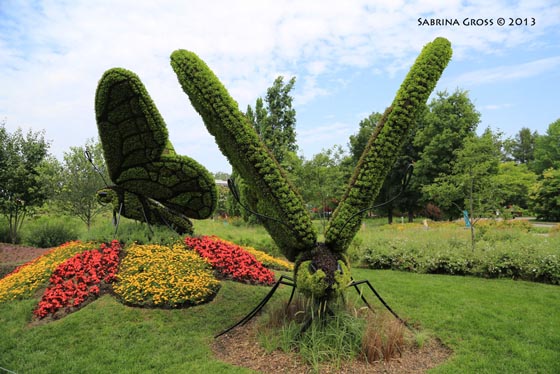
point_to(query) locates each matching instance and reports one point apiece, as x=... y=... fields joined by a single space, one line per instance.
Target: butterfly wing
x=141 y=208
x=385 y=143
x=240 y=143
x=138 y=153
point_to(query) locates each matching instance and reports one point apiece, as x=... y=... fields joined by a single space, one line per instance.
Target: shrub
x=159 y=276
x=50 y=233
x=506 y=250
x=134 y=232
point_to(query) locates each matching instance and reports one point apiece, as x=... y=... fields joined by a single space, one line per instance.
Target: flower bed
x=264 y=258
x=79 y=279
x=159 y=276
x=29 y=277
x=231 y=261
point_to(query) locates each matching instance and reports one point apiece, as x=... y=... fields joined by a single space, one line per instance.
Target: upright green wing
x=240 y=143
x=383 y=147
x=137 y=151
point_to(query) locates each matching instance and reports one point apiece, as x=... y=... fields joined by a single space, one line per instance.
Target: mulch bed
x=240 y=347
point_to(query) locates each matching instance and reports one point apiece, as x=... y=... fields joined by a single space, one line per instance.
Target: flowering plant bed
x=230 y=260
x=160 y=276
x=79 y=279
x=26 y=279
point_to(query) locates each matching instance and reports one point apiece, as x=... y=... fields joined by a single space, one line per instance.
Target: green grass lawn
x=493 y=326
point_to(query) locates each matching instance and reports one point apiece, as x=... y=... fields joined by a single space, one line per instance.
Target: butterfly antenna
x=89 y=157
x=404 y=183
x=235 y=192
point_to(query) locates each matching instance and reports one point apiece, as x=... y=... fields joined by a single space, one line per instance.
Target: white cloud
x=54 y=52
x=509 y=72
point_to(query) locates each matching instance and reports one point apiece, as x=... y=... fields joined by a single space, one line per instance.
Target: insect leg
x=283 y=280
x=355 y=285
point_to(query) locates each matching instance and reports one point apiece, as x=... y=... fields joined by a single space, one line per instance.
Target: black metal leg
x=355 y=285
x=283 y=280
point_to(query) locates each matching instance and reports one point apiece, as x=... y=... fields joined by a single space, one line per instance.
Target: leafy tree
x=275 y=123
x=547 y=149
x=358 y=141
x=472 y=179
x=545 y=196
x=447 y=123
x=322 y=181
x=274 y=119
x=21 y=190
x=521 y=149
x=513 y=184
x=82 y=181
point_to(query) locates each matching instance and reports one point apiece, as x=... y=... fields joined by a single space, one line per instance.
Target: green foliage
x=513 y=183
x=81 y=180
x=545 y=196
x=382 y=149
x=358 y=141
x=448 y=122
x=547 y=151
x=471 y=183
x=240 y=143
x=132 y=232
x=507 y=250
x=21 y=190
x=140 y=159
x=276 y=122
x=521 y=148
x=47 y=232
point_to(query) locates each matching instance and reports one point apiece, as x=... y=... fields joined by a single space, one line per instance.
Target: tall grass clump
x=332 y=337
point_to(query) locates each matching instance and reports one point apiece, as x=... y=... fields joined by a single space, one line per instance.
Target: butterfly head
x=321 y=273
x=108 y=195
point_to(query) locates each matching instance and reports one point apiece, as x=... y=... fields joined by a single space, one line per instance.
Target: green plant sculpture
x=152 y=183
x=141 y=159
x=321 y=270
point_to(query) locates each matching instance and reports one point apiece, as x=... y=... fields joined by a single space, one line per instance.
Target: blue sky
x=349 y=59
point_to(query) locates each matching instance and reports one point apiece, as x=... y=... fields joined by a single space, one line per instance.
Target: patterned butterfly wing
x=239 y=142
x=385 y=143
x=139 y=156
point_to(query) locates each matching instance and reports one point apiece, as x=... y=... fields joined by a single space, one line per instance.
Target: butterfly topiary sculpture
x=139 y=163
x=152 y=183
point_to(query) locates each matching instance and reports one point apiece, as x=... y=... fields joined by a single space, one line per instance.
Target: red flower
x=78 y=278
x=231 y=260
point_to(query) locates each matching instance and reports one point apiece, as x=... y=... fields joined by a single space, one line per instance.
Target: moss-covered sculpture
x=319 y=266
x=152 y=182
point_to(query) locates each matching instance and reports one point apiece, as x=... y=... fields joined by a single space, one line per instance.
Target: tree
x=20 y=188
x=322 y=181
x=275 y=123
x=547 y=149
x=545 y=197
x=471 y=183
x=447 y=123
x=513 y=184
x=357 y=142
x=521 y=149
x=82 y=180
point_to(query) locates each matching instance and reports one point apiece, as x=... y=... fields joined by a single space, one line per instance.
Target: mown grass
x=491 y=325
